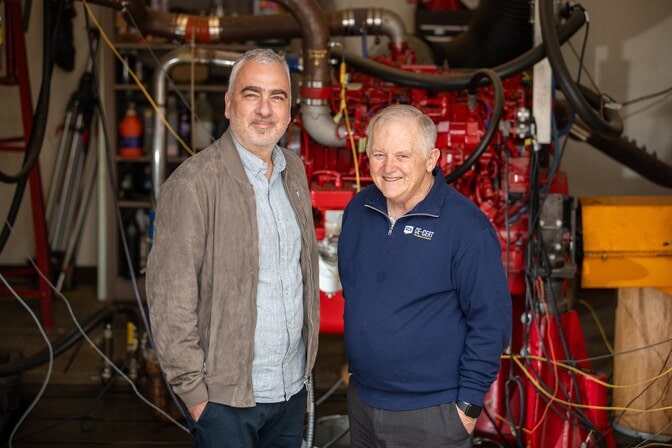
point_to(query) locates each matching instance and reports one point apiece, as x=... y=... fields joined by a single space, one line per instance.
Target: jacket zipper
x=394 y=221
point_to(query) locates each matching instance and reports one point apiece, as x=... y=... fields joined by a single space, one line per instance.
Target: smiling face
x=399 y=167
x=258 y=106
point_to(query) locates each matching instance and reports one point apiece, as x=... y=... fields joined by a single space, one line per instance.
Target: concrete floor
x=80 y=408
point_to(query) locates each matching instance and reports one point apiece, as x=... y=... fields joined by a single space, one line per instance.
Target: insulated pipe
x=210 y=29
x=314 y=38
x=176 y=57
x=311 y=20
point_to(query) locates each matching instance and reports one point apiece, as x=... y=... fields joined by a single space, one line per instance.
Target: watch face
x=473 y=411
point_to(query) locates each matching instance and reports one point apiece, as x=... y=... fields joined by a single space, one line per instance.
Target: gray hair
x=425 y=126
x=263 y=56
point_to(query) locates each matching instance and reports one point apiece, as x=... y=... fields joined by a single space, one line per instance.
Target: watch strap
x=470 y=410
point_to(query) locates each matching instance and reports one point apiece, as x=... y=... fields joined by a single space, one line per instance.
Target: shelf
x=133 y=174
x=201 y=87
x=128 y=203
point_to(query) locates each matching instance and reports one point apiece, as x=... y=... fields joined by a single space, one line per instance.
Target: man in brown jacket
x=232 y=278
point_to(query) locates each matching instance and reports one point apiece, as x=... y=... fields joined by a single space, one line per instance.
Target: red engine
x=501 y=172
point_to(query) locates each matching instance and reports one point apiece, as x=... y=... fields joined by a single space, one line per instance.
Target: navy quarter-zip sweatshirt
x=427 y=304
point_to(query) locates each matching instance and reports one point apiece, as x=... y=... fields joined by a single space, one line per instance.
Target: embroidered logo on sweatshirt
x=419 y=232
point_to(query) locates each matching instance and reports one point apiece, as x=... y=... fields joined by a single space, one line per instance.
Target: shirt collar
x=255 y=165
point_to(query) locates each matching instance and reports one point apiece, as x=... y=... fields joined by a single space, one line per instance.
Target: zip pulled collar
x=430 y=206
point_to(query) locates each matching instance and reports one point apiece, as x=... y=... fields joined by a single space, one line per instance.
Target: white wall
x=628 y=55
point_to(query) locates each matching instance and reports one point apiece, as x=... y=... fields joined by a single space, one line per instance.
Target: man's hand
x=196 y=410
x=468 y=422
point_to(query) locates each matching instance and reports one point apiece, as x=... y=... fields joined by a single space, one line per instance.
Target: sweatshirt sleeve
x=172 y=289
x=486 y=303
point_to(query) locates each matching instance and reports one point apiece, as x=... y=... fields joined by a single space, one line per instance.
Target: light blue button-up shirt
x=280 y=353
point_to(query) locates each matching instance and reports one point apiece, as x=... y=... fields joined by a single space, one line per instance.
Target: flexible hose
x=494 y=120
x=39 y=121
x=603 y=125
x=310 y=433
x=40 y=116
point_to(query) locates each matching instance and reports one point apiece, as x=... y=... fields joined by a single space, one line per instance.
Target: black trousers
x=267 y=425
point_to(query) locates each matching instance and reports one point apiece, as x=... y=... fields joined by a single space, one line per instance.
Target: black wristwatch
x=470 y=410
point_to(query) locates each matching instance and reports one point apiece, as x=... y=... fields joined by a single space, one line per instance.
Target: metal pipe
x=169 y=61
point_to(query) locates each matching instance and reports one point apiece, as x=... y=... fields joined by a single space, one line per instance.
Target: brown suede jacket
x=202 y=274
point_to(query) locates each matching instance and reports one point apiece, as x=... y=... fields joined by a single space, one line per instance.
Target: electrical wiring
x=553 y=305
x=538 y=267
x=591 y=377
x=50 y=367
x=494 y=424
x=544 y=392
x=85 y=416
x=540 y=294
x=662 y=93
x=600 y=327
x=344 y=111
x=625 y=352
x=636 y=397
x=86 y=338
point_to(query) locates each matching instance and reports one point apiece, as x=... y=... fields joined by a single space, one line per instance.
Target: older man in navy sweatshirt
x=427 y=304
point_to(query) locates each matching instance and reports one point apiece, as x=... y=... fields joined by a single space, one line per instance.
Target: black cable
x=498 y=108
x=39 y=120
x=36 y=137
x=610 y=125
x=494 y=425
x=517 y=429
x=583 y=53
x=647 y=97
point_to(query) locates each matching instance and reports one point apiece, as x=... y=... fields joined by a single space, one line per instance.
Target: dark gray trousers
x=433 y=427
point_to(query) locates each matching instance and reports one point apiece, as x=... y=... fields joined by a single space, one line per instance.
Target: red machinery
x=535 y=401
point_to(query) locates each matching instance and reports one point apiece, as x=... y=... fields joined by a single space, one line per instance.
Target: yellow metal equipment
x=627 y=242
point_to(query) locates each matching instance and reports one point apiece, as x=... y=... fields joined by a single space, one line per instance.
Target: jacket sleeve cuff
x=197 y=395
x=472 y=396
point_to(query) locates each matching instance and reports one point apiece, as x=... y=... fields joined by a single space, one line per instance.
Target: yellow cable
x=600 y=327
x=592 y=377
x=556 y=377
x=109 y=43
x=578 y=405
x=344 y=110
